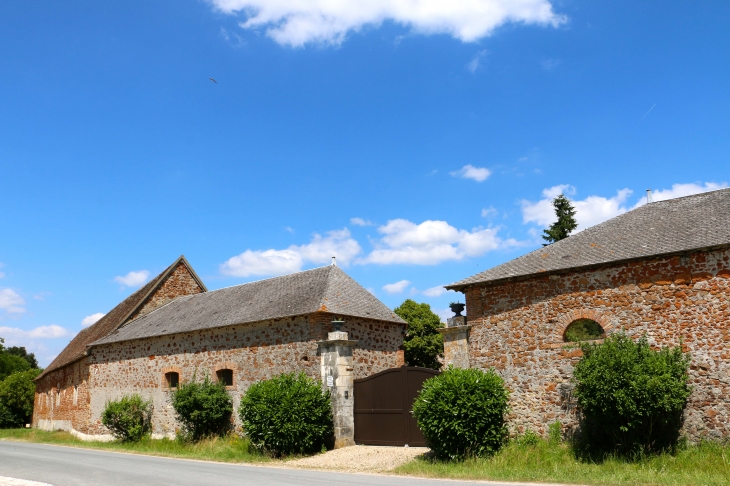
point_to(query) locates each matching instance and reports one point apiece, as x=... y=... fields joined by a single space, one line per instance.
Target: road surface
x=67 y=466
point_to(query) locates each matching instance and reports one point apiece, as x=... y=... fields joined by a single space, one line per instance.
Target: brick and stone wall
x=254 y=351
x=178 y=282
x=517 y=328
x=62 y=399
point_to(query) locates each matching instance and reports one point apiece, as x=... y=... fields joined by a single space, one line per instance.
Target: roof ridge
x=269 y=278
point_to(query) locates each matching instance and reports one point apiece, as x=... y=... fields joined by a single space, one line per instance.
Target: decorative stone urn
x=457 y=308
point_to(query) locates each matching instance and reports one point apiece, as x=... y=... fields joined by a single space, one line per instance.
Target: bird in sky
x=216 y=82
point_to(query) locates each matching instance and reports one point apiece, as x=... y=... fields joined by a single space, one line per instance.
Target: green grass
x=224 y=449
x=704 y=464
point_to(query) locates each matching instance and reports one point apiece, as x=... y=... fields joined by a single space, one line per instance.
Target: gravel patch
x=360 y=459
x=5 y=481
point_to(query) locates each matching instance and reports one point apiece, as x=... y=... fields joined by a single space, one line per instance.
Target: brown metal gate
x=383 y=405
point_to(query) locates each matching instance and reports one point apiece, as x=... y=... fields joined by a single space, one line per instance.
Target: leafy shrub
x=17 y=395
x=288 y=414
x=203 y=408
x=529 y=438
x=461 y=413
x=631 y=397
x=10 y=364
x=128 y=418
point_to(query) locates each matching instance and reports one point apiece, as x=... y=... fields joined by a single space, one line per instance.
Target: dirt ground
x=360 y=459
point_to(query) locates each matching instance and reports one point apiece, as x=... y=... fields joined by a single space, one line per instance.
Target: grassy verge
x=705 y=464
x=226 y=449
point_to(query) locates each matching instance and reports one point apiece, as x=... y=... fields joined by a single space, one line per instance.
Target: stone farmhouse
x=661 y=270
x=174 y=330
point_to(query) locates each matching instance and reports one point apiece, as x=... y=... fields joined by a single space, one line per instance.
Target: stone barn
x=661 y=270
x=173 y=330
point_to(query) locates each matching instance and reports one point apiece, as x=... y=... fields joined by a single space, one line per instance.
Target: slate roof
x=324 y=289
x=660 y=228
x=76 y=349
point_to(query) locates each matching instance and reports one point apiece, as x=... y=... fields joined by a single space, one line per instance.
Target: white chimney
x=334 y=261
x=648 y=197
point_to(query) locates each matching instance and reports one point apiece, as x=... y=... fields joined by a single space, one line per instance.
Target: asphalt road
x=66 y=466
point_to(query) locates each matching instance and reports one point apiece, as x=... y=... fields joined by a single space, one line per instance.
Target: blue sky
x=418 y=141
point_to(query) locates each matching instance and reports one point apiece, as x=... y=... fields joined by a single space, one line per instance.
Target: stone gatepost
x=456 y=342
x=338 y=377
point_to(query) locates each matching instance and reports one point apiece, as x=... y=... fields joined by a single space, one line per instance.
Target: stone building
x=173 y=330
x=661 y=270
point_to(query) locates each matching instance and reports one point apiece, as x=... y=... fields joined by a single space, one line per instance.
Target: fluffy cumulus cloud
x=431 y=243
x=11 y=302
x=133 y=279
x=436 y=291
x=89 y=320
x=299 y=22
x=597 y=209
x=397 y=287
x=681 y=190
x=42 y=332
x=319 y=251
x=478 y=174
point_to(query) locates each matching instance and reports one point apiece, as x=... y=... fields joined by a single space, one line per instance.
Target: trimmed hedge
x=288 y=414
x=632 y=397
x=461 y=413
x=128 y=418
x=203 y=408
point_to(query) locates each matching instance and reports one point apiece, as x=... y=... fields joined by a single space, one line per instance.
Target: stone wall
x=254 y=351
x=518 y=329
x=62 y=399
x=179 y=282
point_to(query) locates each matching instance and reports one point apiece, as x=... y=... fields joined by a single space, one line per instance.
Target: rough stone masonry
x=518 y=312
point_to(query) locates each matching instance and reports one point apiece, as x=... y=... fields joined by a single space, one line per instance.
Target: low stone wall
x=517 y=328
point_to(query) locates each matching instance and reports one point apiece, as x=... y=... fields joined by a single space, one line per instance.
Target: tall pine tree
x=566 y=221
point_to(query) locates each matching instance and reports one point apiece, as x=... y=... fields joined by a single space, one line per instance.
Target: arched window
x=172 y=378
x=583 y=330
x=225 y=376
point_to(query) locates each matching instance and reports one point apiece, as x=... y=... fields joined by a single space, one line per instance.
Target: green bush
x=461 y=413
x=631 y=397
x=204 y=408
x=17 y=395
x=128 y=418
x=10 y=364
x=288 y=414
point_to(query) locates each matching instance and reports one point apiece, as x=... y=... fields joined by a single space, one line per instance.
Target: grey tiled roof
x=660 y=228
x=326 y=289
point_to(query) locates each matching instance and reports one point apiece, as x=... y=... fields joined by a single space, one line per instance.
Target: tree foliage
x=17 y=395
x=631 y=396
x=128 y=418
x=461 y=413
x=14 y=360
x=204 y=408
x=423 y=344
x=288 y=414
x=566 y=222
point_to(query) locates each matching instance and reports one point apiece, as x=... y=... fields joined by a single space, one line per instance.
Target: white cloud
x=435 y=291
x=133 y=279
x=597 y=209
x=320 y=250
x=11 y=302
x=360 y=222
x=489 y=212
x=476 y=62
x=42 y=332
x=444 y=314
x=299 y=22
x=89 y=320
x=397 y=287
x=431 y=243
x=681 y=190
x=478 y=174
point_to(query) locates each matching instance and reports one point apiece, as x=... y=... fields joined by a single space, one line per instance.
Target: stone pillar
x=456 y=342
x=338 y=377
